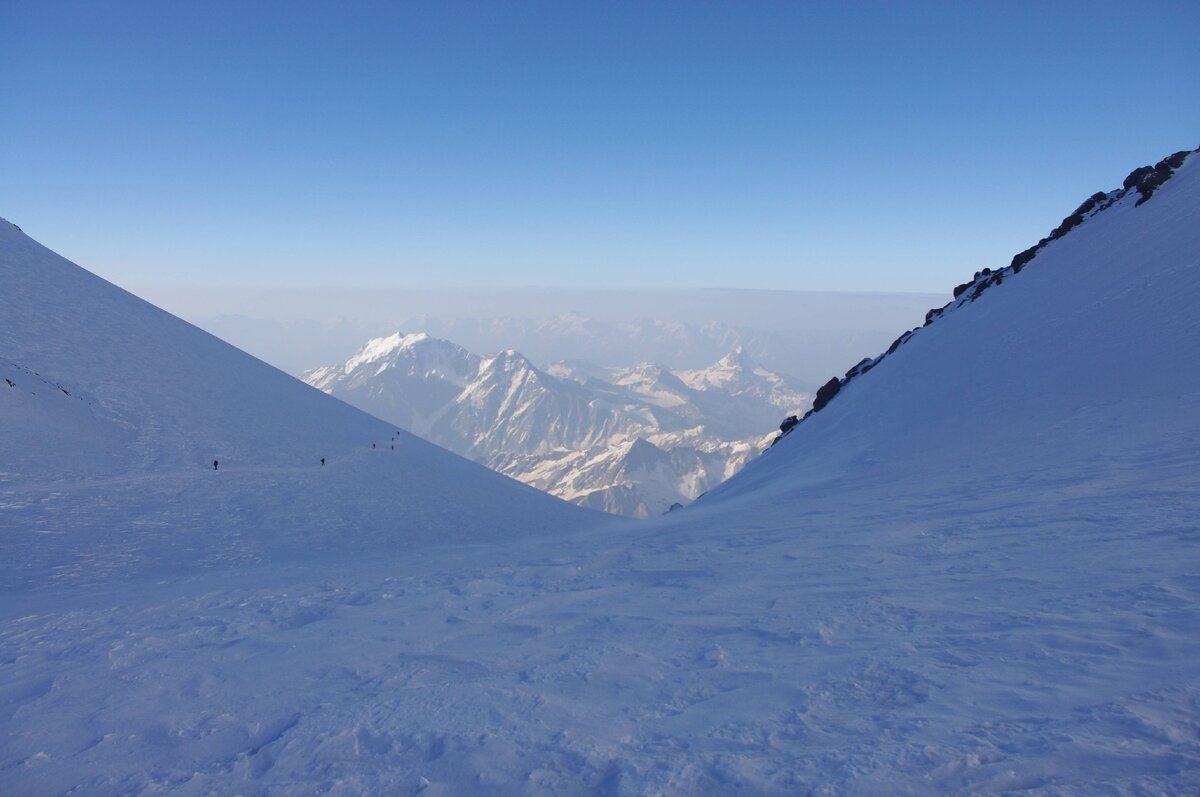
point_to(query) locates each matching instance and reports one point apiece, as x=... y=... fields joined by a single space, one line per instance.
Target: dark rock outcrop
x=864 y=365
x=1148 y=179
x=826 y=392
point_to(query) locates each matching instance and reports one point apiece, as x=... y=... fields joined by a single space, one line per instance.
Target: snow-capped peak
x=738 y=374
x=378 y=348
x=738 y=356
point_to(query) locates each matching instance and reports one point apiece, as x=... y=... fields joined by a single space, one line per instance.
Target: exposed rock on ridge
x=1143 y=181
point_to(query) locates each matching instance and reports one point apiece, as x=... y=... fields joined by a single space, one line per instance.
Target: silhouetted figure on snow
x=322 y=462
x=214 y=464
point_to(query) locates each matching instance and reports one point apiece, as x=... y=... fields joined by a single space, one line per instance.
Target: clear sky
x=827 y=146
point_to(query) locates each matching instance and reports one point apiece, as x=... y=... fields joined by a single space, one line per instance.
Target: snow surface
x=976 y=571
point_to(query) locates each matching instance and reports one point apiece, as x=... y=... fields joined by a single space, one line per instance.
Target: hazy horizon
x=806 y=334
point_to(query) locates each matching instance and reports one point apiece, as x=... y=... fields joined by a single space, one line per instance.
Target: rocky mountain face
x=630 y=441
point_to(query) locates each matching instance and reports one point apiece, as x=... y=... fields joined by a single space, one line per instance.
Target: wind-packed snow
x=976 y=571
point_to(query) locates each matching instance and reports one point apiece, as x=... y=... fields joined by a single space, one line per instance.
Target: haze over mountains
x=807 y=334
x=631 y=441
x=972 y=571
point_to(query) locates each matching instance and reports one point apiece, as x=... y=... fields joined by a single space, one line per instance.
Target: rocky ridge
x=1143 y=182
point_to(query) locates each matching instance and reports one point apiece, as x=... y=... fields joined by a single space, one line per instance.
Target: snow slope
x=975 y=571
x=1083 y=353
x=114 y=411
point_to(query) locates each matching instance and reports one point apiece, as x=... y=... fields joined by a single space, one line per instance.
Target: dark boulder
x=1020 y=259
x=1136 y=176
x=1149 y=179
x=1090 y=204
x=897 y=343
x=825 y=393
x=863 y=365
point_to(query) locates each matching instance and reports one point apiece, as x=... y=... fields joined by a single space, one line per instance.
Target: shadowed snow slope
x=975 y=571
x=114 y=411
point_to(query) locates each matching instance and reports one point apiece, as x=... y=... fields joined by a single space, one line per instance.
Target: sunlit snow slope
x=113 y=412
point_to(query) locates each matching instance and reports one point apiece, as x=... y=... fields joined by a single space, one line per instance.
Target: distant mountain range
x=808 y=335
x=630 y=441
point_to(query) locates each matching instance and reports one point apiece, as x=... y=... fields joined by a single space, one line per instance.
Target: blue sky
x=820 y=146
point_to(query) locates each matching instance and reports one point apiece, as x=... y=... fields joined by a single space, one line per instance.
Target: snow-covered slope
x=113 y=412
x=571 y=434
x=1079 y=349
x=974 y=571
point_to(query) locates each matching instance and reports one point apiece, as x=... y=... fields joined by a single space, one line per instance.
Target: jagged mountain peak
x=738 y=374
x=412 y=354
x=412 y=374
x=738 y=357
x=507 y=362
x=646 y=370
x=378 y=348
x=737 y=364
x=659 y=384
x=642 y=454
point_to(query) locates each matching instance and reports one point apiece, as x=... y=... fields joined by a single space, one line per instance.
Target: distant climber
x=372 y=445
x=214 y=464
x=322 y=462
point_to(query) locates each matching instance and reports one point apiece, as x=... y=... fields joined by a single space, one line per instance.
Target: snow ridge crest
x=1143 y=181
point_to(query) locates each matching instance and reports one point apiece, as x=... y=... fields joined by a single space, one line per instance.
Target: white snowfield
x=976 y=571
